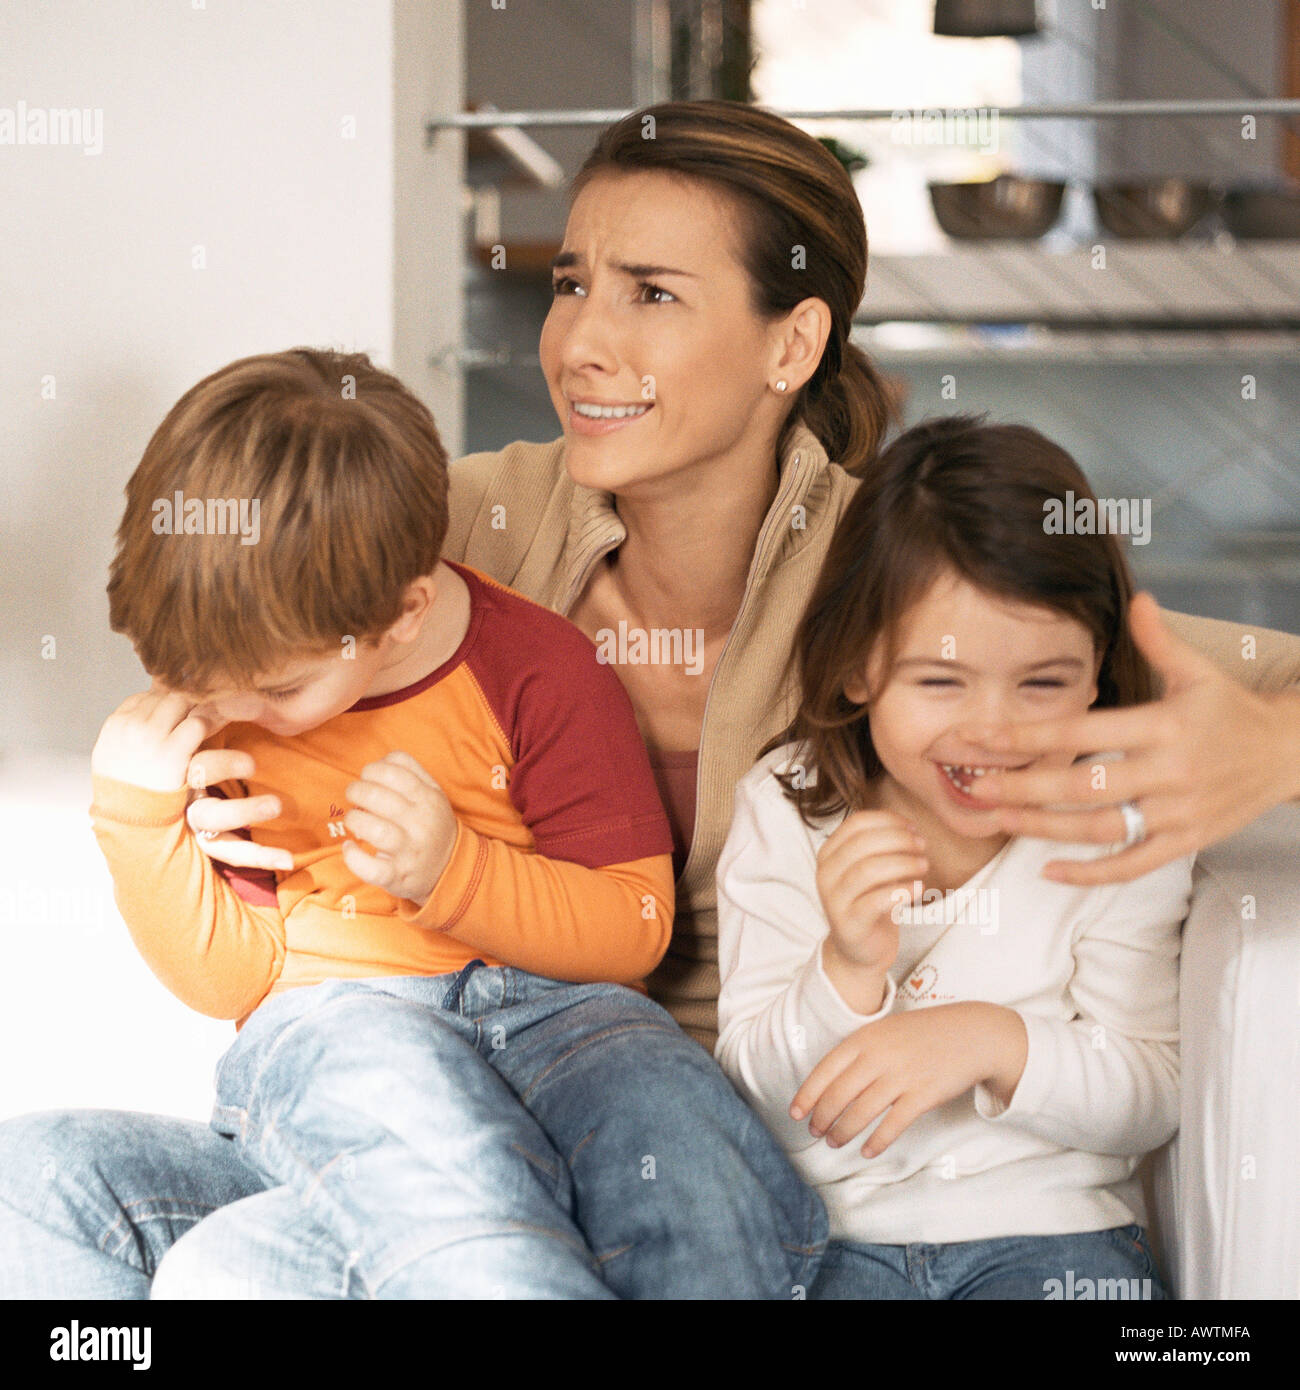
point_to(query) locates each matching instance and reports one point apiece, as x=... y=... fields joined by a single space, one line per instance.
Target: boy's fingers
x=375 y=830
x=380 y=800
x=405 y=760
x=169 y=711
x=133 y=702
x=209 y=815
x=210 y=719
x=396 y=777
x=188 y=734
x=370 y=868
x=212 y=765
x=240 y=853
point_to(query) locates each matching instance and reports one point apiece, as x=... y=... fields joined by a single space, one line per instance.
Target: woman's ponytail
x=852 y=412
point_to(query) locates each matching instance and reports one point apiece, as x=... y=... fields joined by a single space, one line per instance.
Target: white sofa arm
x=1226 y=1191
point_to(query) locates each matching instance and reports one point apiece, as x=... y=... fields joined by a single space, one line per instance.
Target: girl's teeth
x=952 y=769
x=608 y=412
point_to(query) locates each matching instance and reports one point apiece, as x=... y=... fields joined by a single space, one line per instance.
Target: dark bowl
x=1157 y=208
x=1007 y=206
x=1262 y=214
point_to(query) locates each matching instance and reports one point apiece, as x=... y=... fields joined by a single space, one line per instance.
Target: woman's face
x=651 y=315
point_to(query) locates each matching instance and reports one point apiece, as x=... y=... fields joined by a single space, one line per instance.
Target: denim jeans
x=486 y=1134
x=1112 y=1264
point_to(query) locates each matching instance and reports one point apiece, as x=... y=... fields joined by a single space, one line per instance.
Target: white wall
x=223 y=129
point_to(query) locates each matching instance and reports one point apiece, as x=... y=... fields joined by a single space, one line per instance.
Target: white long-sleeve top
x=1092 y=971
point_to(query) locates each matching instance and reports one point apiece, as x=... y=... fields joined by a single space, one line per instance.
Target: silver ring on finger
x=1135 y=823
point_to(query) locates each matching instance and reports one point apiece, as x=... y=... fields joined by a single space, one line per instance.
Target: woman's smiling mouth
x=598 y=417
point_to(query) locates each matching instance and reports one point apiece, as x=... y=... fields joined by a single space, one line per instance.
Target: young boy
x=466 y=817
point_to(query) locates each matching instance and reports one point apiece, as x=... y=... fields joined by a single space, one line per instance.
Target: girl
x=896 y=970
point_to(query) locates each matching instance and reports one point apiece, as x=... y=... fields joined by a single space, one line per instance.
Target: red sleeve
x=581 y=780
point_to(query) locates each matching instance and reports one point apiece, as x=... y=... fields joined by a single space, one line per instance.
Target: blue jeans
x=486 y=1134
x=1113 y=1264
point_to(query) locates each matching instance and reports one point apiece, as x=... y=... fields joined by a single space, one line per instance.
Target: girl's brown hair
x=950 y=494
x=350 y=478
x=790 y=192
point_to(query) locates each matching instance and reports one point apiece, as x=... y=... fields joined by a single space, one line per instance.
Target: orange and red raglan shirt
x=561 y=864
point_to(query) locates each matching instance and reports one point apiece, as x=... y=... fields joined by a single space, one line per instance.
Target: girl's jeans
x=486 y=1134
x=1093 y=1265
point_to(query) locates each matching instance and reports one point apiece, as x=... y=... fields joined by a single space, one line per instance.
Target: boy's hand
x=217 y=821
x=908 y=1064
x=403 y=812
x=860 y=870
x=149 y=739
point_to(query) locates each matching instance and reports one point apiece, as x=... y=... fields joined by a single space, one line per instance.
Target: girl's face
x=968 y=658
x=651 y=316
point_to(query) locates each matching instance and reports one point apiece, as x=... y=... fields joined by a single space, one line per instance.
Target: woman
x=715 y=416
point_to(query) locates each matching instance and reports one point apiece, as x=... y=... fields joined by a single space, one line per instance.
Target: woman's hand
x=1200 y=763
x=908 y=1064
x=216 y=821
x=872 y=859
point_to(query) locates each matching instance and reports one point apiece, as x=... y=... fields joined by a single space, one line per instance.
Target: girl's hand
x=1201 y=762
x=908 y=1064
x=872 y=859
x=406 y=816
x=149 y=739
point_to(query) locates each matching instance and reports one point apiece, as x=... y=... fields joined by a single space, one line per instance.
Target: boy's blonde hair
x=343 y=469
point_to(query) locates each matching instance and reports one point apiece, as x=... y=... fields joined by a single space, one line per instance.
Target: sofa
x=1224 y=1193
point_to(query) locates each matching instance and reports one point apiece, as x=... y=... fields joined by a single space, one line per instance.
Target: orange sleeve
x=214 y=951
x=551 y=916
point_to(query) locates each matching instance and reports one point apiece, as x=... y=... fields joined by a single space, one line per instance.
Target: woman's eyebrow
x=634 y=268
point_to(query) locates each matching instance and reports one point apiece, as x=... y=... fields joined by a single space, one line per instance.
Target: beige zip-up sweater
x=517 y=515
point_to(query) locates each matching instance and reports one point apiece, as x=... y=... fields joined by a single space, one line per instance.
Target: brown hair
x=350 y=481
x=949 y=494
x=790 y=191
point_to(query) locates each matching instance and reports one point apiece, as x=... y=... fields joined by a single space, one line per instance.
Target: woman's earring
x=780 y=385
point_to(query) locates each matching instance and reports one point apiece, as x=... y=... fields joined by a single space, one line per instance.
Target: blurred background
x=242 y=177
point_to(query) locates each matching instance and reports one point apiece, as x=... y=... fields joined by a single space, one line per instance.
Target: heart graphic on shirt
x=921 y=982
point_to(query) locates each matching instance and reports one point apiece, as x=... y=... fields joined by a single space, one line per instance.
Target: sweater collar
x=595 y=527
